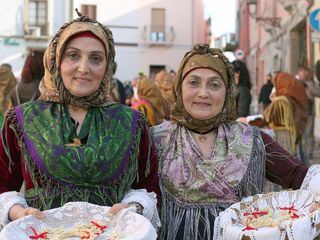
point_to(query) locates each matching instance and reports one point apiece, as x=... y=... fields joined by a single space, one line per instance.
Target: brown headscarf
x=202 y=56
x=51 y=86
x=7 y=82
x=164 y=81
x=149 y=91
x=287 y=85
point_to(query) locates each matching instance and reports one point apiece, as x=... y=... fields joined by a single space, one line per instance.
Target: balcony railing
x=158 y=36
x=35 y=31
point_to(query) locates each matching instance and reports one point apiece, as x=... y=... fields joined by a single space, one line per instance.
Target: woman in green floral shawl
x=208 y=161
x=72 y=144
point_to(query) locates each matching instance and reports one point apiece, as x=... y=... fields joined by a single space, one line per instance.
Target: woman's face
x=203 y=93
x=83 y=65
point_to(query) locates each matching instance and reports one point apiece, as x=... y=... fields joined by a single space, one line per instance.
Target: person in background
x=72 y=144
x=265 y=92
x=117 y=90
x=164 y=81
x=243 y=87
x=287 y=117
x=313 y=90
x=7 y=82
x=149 y=101
x=6 y=65
x=207 y=160
x=28 y=87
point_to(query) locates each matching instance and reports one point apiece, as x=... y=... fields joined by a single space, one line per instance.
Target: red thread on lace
x=292 y=211
x=101 y=227
x=38 y=236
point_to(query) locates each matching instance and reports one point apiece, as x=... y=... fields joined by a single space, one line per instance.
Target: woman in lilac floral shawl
x=208 y=161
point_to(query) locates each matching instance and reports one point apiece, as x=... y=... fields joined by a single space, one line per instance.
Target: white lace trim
x=149 y=202
x=7 y=200
x=312 y=179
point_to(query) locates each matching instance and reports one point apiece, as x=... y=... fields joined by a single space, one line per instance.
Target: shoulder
x=243 y=129
x=162 y=131
x=163 y=128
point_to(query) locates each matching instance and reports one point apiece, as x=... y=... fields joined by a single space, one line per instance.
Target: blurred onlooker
x=173 y=73
x=149 y=101
x=313 y=90
x=243 y=87
x=265 y=92
x=164 y=82
x=7 y=82
x=117 y=91
x=7 y=65
x=128 y=93
x=28 y=87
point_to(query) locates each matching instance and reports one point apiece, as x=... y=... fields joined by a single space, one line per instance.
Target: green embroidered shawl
x=100 y=171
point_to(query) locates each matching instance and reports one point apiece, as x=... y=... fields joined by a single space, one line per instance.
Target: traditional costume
x=196 y=188
x=110 y=160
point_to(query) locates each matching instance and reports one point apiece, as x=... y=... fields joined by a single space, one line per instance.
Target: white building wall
x=127 y=19
x=11 y=27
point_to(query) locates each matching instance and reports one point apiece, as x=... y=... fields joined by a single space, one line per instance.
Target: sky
x=223 y=15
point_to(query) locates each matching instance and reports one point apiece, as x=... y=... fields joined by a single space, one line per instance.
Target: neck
x=199 y=132
x=77 y=113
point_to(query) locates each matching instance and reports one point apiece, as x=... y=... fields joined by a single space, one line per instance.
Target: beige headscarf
x=7 y=82
x=51 y=86
x=202 y=56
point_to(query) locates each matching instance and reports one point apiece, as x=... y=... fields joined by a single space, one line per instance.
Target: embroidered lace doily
x=125 y=225
x=303 y=226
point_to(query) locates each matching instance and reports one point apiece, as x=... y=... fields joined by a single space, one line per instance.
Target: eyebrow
x=77 y=49
x=214 y=78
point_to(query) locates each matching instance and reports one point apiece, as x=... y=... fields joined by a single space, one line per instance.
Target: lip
x=202 y=104
x=82 y=79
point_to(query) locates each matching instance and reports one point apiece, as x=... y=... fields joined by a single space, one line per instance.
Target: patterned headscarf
x=202 y=56
x=51 y=86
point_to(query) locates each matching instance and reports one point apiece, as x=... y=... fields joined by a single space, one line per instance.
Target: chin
x=81 y=94
x=202 y=117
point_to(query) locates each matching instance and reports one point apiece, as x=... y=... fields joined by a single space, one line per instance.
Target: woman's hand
x=18 y=211
x=242 y=120
x=314 y=207
x=117 y=207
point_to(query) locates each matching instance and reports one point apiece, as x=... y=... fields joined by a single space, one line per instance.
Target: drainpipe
x=308 y=35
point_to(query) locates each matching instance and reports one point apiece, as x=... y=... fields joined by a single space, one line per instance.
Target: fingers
x=117 y=207
x=34 y=212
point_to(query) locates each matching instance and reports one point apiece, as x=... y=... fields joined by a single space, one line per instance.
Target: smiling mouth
x=201 y=104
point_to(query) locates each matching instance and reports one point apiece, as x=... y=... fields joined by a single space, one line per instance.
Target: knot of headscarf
x=202 y=56
x=51 y=86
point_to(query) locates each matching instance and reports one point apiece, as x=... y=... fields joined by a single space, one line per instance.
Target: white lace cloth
x=125 y=225
x=228 y=225
x=146 y=199
x=149 y=203
x=312 y=179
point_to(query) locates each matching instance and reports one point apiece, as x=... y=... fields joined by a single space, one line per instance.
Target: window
x=89 y=10
x=37 y=21
x=154 y=69
x=158 y=25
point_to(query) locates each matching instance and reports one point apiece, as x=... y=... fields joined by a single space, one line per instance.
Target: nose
x=83 y=65
x=203 y=92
